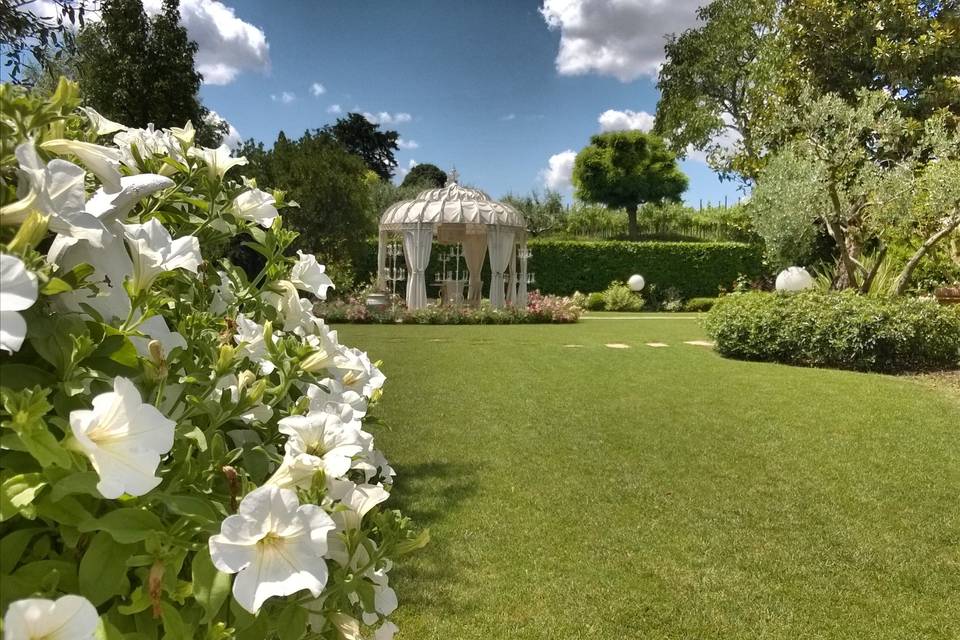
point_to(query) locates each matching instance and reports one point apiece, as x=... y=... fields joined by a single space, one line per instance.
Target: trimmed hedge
x=843 y=330
x=694 y=269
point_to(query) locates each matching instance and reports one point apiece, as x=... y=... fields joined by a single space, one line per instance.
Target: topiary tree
x=625 y=169
x=428 y=176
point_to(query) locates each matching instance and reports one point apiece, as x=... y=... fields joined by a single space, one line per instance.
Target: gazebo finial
x=453 y=176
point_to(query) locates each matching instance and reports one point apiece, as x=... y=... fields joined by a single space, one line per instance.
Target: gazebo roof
x=452 y=204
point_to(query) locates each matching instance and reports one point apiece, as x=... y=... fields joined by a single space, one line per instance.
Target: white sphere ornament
x=794 y=279
x=636 y=282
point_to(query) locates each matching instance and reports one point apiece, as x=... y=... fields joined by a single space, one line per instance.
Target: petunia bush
x=186 y=448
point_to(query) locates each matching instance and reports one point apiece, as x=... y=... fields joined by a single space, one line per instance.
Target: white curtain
x=499 y=243
x=512 y=282
x=474 y=251
x=416 y=245
x=382 y=261
x=522 y=293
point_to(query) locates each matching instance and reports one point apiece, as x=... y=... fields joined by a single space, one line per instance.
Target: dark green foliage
x=562 y=267
x=334 y=218
x=595 y=301
x=425 y=176
x=692 y=268
x=363 y=138
x=837 y=329
x=699 y=304
x=619 y=297
x=543 y=213
x=624 y=169
x=140 y=70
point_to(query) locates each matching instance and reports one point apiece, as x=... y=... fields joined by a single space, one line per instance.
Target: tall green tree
x=140 y=70
x=709 y=85
x=426 y=176
x=35 y=36
x=543 y=212
x=334 y=216
x=625 y=169
x=363 y=138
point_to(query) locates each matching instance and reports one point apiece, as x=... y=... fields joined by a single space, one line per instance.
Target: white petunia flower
x=250 y=343
x=357 y=373
x=124 y=439
x=356 y=501
x=104 y=162
x=256 y=206
x=66 y=618
x=275 y=545
x=384 y=597
x=102 y=125
x=322 y=437
x=308 y=274
x=184 y=134
x=154 y=251
x=328 y=353
x=54 y=190
x=330 y=390
x=386 y=631
x=218 y=160
x=224 y=296
x=18 y=292
x=294 y=311
x=147 y=142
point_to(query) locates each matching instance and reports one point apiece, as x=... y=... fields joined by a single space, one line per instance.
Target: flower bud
x=225 y=359
x=30 y=233
x=245 y=379
x=256 y=391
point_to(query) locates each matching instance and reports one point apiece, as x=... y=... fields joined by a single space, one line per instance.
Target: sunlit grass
x=590 y=492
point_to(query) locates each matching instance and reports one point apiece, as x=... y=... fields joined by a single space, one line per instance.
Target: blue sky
x=477 y=85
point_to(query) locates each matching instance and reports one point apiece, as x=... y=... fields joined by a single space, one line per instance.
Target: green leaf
x=55 y=286
x=408 y=546
x=192 y=507
x=17 y=494
x=174 y=627
x=103 y=569
x=127 y=525
x=210 y=586
x=65 y=511
x=139 y=601
x=293 y=622
x=20 y=376
x=84 y=482
x=12 y=547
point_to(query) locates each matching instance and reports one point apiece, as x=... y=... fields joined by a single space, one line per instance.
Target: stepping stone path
x=617 y=345
x=573 y=346
x=699 y=343
x=657 y=344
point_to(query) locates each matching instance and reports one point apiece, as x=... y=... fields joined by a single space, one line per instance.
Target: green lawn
x=663 y=493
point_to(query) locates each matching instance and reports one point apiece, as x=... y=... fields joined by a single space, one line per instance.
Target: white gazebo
x=458 y=215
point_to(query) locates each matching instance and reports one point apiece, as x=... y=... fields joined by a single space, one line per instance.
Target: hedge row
x=563 y=266
x=837 y=329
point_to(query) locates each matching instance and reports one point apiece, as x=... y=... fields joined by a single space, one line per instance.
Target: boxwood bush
x=837 y=329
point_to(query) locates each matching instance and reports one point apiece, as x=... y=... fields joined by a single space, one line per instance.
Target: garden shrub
x=595 y=301
x=699 y=304
x=562 y=267
x=837 y=329
x=171 y=426
x=619 y=297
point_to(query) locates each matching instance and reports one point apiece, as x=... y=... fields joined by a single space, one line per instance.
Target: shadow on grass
x=431 y=494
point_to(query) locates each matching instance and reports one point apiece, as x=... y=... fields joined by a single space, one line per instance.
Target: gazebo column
x=499 y=245
x=474 y=251
x=512 y=281
x=382 y=261
x=522 y=288
x=417 y=243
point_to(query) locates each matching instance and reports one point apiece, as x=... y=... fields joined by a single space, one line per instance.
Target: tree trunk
x=904 y=278
x=633 y=229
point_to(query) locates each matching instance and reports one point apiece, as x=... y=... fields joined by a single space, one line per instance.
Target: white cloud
x=383 y=117
x=227 y=45
x=559 y=170
x=619 y=38
x=613 y=120
x=317 y=89
x=232 y=139
x=509 y=117
x=286 y=97
x=334 y=108
x=403 y=171
x=407 y=144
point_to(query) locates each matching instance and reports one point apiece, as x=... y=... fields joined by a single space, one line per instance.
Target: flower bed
x=540 y=310
x=186 y=449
